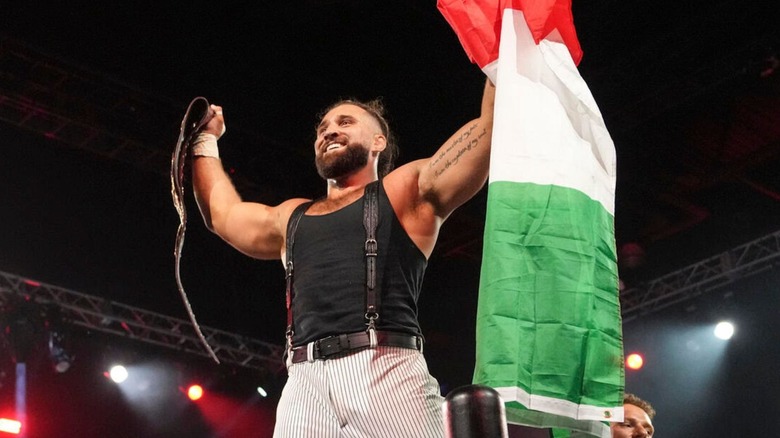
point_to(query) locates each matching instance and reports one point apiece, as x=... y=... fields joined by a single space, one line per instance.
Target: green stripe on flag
x=548 y=320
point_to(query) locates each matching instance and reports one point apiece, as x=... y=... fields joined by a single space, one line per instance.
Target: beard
x=343 y=163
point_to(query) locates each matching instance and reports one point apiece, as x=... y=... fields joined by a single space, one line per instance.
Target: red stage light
x=634 y=361
x=10 y=426
x=195 y=392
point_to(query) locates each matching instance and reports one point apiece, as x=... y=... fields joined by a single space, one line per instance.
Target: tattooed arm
x=424 y=192
x=459 y=168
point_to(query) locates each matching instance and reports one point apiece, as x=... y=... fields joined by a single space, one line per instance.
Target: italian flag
x=549 y=336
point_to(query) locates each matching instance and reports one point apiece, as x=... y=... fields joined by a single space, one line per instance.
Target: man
x=355 y=364
x=637 y=419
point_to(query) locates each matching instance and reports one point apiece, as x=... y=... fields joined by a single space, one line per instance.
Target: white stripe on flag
x=556 y=405
x=558 y=114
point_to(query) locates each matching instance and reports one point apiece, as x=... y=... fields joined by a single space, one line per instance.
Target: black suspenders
x=370 y=222
x=292 y=225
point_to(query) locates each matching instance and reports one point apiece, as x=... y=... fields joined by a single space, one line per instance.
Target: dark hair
x=376 y=109
x=632 y=399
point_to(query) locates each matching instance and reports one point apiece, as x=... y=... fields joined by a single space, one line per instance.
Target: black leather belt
x=333 y=345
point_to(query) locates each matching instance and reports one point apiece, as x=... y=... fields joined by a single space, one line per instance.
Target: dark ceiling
x=689 y=93
x=92 y=94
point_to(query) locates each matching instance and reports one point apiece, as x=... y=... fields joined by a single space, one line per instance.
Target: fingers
x=216 y=125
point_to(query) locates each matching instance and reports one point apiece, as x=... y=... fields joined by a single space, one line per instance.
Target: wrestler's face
x=348 y=137
x=636 y=424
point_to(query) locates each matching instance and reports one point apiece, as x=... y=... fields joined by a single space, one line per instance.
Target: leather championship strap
x=198 y=114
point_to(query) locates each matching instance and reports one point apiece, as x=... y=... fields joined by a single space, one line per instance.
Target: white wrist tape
x=205 y=145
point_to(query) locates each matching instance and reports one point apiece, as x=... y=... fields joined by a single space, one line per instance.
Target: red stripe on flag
x=477 y=23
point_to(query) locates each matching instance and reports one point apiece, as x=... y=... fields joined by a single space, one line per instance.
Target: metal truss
x=110 y=317
x=83 y=109
x=715 y=272
x=72 y=106
x=114 y=318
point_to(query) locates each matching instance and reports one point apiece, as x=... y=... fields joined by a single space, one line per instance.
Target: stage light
x=195 y=392
x=58 y=354
x=118 y=373
x=724 y=330
x=263 y=393
x=10 y=426
x=634 y=361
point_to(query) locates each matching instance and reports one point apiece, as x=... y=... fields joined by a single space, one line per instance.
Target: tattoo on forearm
x=451 y=155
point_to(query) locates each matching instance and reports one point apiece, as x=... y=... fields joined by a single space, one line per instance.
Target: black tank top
x=329 y=296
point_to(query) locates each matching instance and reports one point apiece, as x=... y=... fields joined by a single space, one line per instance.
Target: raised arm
x=254 y=229
x=459 y=169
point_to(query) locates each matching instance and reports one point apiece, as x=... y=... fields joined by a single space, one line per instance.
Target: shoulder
x=283 y=213
x=286 y=208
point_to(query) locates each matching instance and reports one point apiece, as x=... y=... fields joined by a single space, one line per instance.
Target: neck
x=341 y=187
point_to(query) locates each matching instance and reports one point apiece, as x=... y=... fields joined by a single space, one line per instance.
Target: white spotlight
x=118 y=373
x=262 y=392
x=724 y=330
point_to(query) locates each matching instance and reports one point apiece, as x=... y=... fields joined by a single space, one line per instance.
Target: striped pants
x=382 y=392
